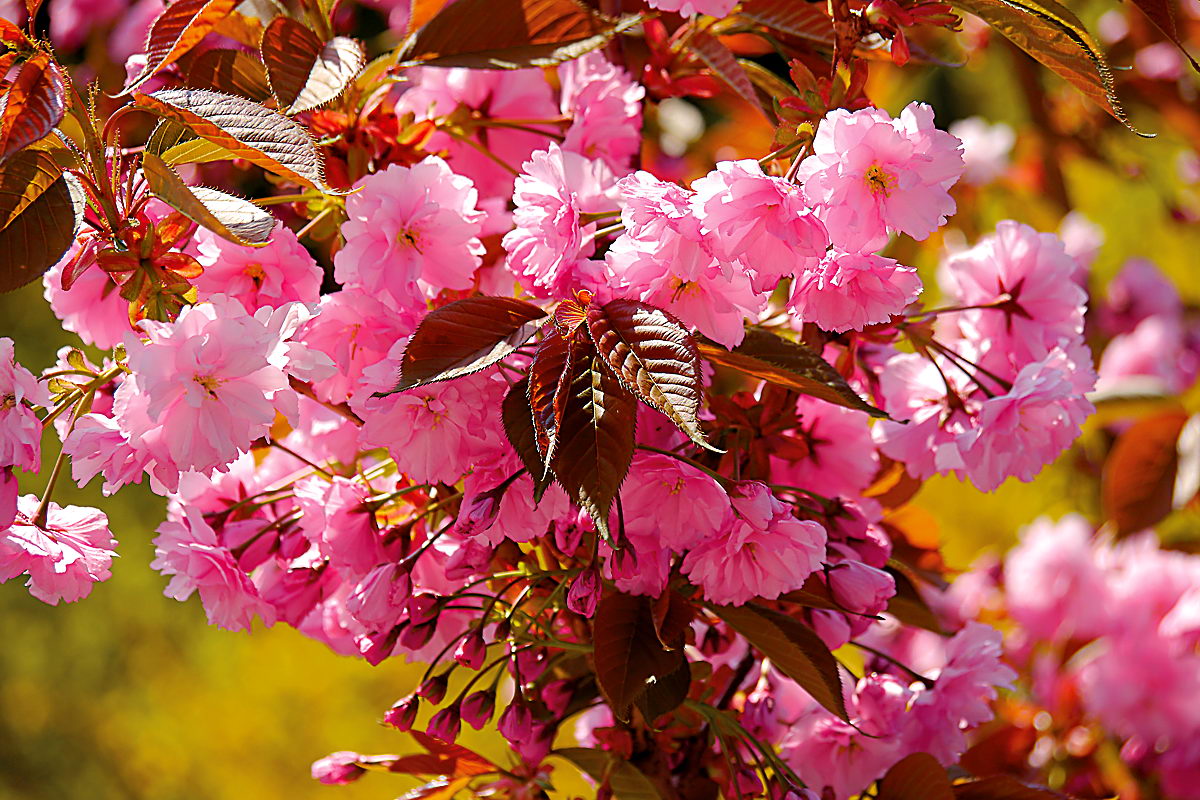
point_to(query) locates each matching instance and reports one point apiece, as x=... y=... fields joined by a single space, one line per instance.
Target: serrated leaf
x=664 y=695
x=1054 y=36
x=511 y=34
x=724 y=64
x=304 y=71
x=517 y=417
x=451 y=760
x=37 y=238
x=178 y=29
x=33 y=105
x=1004 y=787
x=1137 y=485
x=790 y=364
x=625 y=780
x=549 y=382
x=247 y=130
x=12 y=36
x=626 y=653
x=794 y=649
x=595 y=437
x=23 y=179
x=464 y=337
x=918 y=776
x=654 y=356
x=229 y=72
x=802 y=20
x=232 y=218
x=175 y=144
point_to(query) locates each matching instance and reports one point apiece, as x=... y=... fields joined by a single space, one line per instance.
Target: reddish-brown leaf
x=673 y=616
x=595 y=437
x=510 y=34
x=549 y=375
x=232 y=218
x=229 y=72
x=803 y=20
x=12 y=36
x=304 y=71
x=626 y=654
x=1004 y=787
x=794 y=648
x=247 y=130
x=23 y=179
x=908 y=606
x=33 y=105
x=465 y=337
x=916 y=777
x=724 y=64
x=450 y=760
x=625 y=780
x=178 y=29
x=1138 y=482
x=37 y=238
x=1162 y=14
x=789 y=364
x=655 y=357
x=421 y=11
x=664 y=695
x=518 y=427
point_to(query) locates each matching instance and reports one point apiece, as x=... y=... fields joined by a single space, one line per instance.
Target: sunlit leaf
x=38 y=237
x=918 y=776
x=33 y=105
x=627 y=655
x=803 y=20
x=724 y=64
x=1138 y=482
x=789 y=364
x=549 y=387
x=655 y=357
x=625 y=780
x=451 y=760
x=232 y=218
x=23 y=179
x=175 y=144
x=248 y=130
x=440 y=789
x=304 y=71
x=518 y=427
x=178 y=29
x=230 y=72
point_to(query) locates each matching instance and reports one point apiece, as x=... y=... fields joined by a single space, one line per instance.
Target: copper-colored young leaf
x=626 y=653
x=918 y=776
x=178 y=29
x=437 y=789
x=36 y=239
x=248 y=130
x=549 y=382
x=464 y=337
x=421 y=11
x=12 y=36
x=1162 y=14
x=304 y=71
x=175 y=144
x=802 y=20
x=229 y=72
x=1137 y=485
x=33 y=105
x=232 y=218
x=724 y=64
x=451 y=760
x=518 y=427
x=1003 y=787
x=23 y=179
x=511 y=34
x=1054 y=36
x=654 y=356
x=595 y=438
x=794 y=648
x=789 y=364
x=625 y=780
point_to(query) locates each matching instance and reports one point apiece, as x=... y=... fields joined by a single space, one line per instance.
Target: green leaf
x=916 y=777
x=511 y=34
x=37 y=238
x=1054 y=36
x=232 y=218
x=247 y=130
x=465 y=337
x=794 y=649
x=178 y=29
x=625 y=780
x=304 y=71
x=654 y=356
x=788 y=364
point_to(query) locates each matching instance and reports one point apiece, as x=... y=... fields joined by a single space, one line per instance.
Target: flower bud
x=338 y=769
x=445 y=725
x=860 y=588
x=516 y=723
x=434 y=689
x=478 y=707
x=471 y=651
x=479 y=513
x=557 y=695
x=414 y=637
x=421 y=608
x=403 y=714
x=584 y=593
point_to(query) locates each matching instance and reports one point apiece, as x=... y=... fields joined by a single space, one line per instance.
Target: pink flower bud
x=478 y=708
x=338 y=769
x=860 y=588
x=516 y=723
x=585 y=592
x=421 y=608
x=434 y=689
x=480 y=512
x=557 y=695
x=445 y=725
x=414 y=637
x=403 y=714
x=471 y=651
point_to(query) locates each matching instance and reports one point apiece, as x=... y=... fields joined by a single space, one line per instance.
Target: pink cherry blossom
x=280 y=272
x=339 y=520
x=72 y=21
x=20 y=428
x=925 y=436
x=92 y=309
x=97 y=446
x=671 y=504
x=8 y=497
x=1139 y=291
x=870 y=173
x=605 y=106
x=63 y=557
x=1155 y=354
x=411 y=232
x=764 y=551
x=849 y=291
x=714 y=8
x=555 y=188
x=760 y=220
x=986 y=148
x=187 y=549
x=838 y=456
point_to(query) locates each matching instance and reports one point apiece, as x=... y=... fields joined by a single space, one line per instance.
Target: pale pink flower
x=20 y=428
x=1155 y=352
x=1160 y=61
x=1021 y=431
x=339 y=521
x=764 y=551
x=1083 y=240
x=759 y=220
x=671 y=504
x=555 y=188
x=97 y=446
x=8 y=497
x=870 y=173
x=187 y=549
x=839 y=458
x=411 y=232
x=986 y=148
x=72 y=21
x=849 y=291
x=605 y=106
x=93 y=309
x=278 y=273
x=516 y=518
x=925 y=436
x=650 y=207
x=714 y=8
x=128 y=36
x=64 y=558
x=1139 y=290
